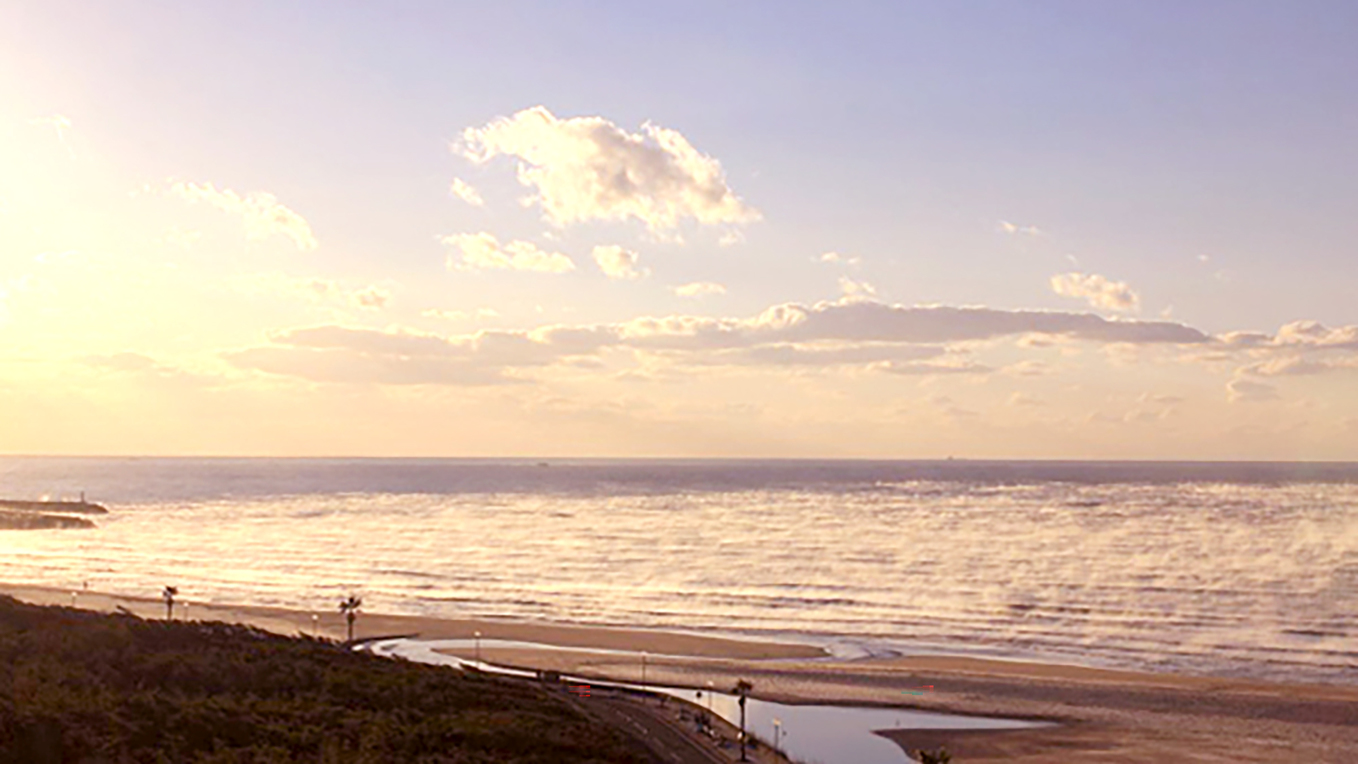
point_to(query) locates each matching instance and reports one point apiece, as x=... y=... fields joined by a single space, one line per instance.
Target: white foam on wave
x=1217 y=578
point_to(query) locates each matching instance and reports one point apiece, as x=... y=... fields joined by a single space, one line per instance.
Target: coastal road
x=669 y=744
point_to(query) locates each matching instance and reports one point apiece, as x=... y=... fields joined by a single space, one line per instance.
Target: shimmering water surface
x=1228 y=569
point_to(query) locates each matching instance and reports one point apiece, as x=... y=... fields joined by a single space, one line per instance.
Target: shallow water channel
x=815 y=734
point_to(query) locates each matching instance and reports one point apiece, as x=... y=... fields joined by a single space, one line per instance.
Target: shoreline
x=1105 y=715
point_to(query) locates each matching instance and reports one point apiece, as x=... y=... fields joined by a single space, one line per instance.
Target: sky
x=1119 y=230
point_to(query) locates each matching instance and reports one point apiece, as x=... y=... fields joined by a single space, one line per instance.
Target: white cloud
x=1027 y=230
x=887 y=338
x=587 y=168
x=856 y=289
x=835 y=257
x=1096 y=290
x=482 y=251
x=618 y=263
x=464 y=191
x=699 y=289
x=1296 y=366
x=264 y=216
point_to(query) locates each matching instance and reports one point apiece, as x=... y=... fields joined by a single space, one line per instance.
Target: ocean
x=1227 y=569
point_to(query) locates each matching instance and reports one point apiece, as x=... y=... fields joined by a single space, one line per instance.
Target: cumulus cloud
x=1296 y=366
x=1300 y=348
x=482 y=251
x=835 y=257
x=1096 y=290
x=618 y=263
x=464 y=191
x=262 y=213
x=699 y=289
x=588 y=168
x=1026 y=230
x=856 y=289
x=888 y=338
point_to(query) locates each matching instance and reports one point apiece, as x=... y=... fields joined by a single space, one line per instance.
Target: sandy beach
x=1099 y=715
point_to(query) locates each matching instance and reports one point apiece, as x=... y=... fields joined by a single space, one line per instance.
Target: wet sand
x=1100 y=715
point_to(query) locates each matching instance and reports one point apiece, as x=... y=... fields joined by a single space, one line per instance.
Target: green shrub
x=77 y=686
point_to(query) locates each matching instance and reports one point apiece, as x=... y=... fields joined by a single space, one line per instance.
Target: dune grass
x=78 y=686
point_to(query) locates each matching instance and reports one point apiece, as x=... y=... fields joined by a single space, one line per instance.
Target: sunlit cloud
x=699 y=289
x=856 y=289
x=888 y=338
x=482 y=251
x=588 y=168
x=261 y=212
x=1025 y=230
x=464 y=191
x=618 y=263
x=835 y=257
x=1098 y=291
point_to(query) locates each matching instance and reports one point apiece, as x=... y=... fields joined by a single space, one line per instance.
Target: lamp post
x=777 y=728
x=315 y=625
x=478 y=648
x=709 y=697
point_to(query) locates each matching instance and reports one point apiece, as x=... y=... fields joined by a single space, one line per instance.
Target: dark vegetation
x=77 y=686
x=39 y=521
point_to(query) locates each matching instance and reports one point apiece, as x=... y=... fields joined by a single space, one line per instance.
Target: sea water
x=1247 y=570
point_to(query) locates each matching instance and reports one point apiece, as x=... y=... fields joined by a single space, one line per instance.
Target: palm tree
x=169 y=594
x=743 y=690
x=350 y=608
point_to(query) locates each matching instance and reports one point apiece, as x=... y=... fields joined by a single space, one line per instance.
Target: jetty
x=27 y=515
x=81 y=507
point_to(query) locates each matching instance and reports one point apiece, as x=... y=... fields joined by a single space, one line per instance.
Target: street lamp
x=709 y=697
x=478 y=649
x=315 y=625
x=777 y=728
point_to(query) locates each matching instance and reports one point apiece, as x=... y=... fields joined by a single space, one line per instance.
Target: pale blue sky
x=1200 y=152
